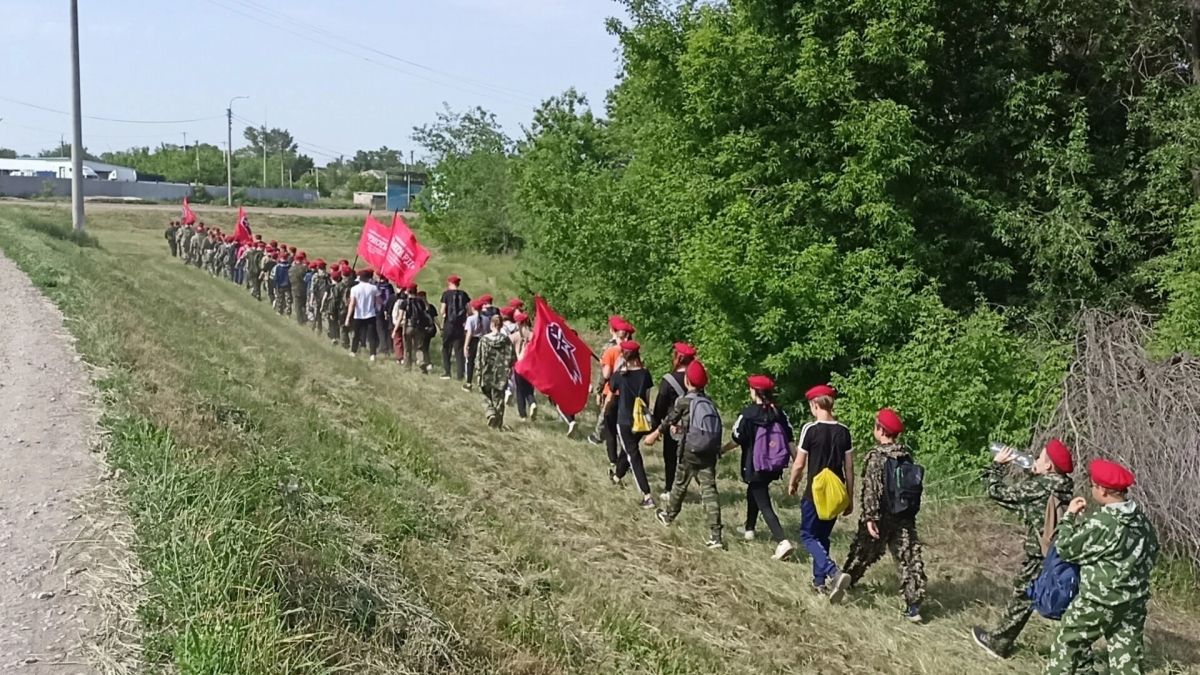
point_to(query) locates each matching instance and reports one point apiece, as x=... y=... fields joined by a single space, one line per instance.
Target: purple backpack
x=771 y=448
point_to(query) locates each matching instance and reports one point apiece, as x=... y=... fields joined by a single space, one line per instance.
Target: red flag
x=187 y=216
x=242 y=232
x=404 y=257
x=557 y=362
x=373 y=243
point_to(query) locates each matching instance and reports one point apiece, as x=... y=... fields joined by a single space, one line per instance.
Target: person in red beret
x=610 y=356
x=415 y=321
x=629 y=399
x=824 y=454
x=1116 y=549
x=475 y=328
x=453 y=310
x=1038 y=499
x=766 y=437
x=694 y=419
x=887 y=513
x=520 y=332
x=516 y=303
x=670 y=389
x=319 y=289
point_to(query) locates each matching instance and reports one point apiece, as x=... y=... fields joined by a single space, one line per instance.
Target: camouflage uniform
x=335 y=310
x=318 y=292
x=496 y=358
x=172 y=235
x=231 y=261
x=254 y=265
x=197 y=241
x=1116 y=549
x=184 y=240
x=299 y=305
x=1028 y=499
x=348 y=283
x=693 y=466
x=268 y=274
x=896 y=534
x=283 y=294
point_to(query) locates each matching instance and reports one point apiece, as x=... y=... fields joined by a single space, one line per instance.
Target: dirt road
x=46 y=469
x=200 y=209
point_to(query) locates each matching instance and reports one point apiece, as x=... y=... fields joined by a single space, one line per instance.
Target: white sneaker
x=372 y=358
x=570 y=428
x=748 y=535
x=532 y=412
x=784 y=550
x=665 y=497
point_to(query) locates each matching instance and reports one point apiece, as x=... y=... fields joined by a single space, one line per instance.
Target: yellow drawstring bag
x=829 y=495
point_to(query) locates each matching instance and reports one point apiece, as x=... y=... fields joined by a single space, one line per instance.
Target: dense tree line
x=912 y=200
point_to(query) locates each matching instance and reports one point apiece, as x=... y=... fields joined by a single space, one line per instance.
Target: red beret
x=1110 y=475
x=312 y=266
x=696 y=374
x=615 y=322
x=507 y=312
x=336 y=275
x=761 y=382
x=486 y=298
x=516 y=303
x=1060 y=455
x=889 y=421
x=684 y=349
x=454 y=279
x=820 y=390
x=366 y=270
x=477 y=304
x=630 y=346
x=520 y=316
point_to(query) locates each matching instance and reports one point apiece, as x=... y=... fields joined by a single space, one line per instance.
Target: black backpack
x=903 y=483
x=456 y=308
x=416 y=314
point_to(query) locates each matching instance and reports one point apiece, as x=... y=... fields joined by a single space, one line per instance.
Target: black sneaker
x=594 y=440
x=663 y=518
x=714 y=543
x=913 y=613
x=984 y=640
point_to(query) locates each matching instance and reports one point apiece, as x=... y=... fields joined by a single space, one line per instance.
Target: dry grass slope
x=301 y=512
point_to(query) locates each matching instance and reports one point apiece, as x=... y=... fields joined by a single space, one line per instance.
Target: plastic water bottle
x=1019 y=458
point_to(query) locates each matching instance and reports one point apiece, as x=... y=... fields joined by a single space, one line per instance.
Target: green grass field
x=297 y=511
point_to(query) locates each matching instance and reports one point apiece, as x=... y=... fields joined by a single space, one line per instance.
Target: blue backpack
x=1055 y=587
x=771 y=448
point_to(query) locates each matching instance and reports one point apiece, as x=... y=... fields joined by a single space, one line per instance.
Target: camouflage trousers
x=1085 y=622
x=493 y=404
x=706 y=475
x=1019 y=607
x=271 y=291
x=899 y=537
x=300 y=306
x=415 y=342
x=317 y=319
x=283 y=301
x=255 y=284
x=335 y=327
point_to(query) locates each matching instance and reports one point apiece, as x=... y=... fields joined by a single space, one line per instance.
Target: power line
x=475 y=91
x=107 y=119
x=251 y=4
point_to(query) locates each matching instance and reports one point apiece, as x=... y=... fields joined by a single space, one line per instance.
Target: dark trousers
x=758 y=501
x=383 y=330
x=364 y=331
x=452 y=347
x=631 y=457
x=523 y=391
x=814 y=533
x=606 y=425
x=472 y=352
x=670 y=461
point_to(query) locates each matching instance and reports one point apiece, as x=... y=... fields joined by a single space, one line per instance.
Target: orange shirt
x=609 y=358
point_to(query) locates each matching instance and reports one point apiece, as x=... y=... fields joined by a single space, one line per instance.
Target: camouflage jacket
x=296 y=277
x=184 y=235
x=871 y=502
x=1115 y=548
x=496 y=358
x=1027 y=498
x=319 y=290
x=254 y=261
x=268 y=269
x=172 y=233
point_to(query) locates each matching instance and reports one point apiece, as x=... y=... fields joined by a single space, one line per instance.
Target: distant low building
x=371 y=200
x=60 y=167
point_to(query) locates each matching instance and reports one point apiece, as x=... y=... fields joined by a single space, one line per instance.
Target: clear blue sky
x=184 y=59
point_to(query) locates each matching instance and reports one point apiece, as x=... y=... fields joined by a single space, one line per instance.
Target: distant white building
x=60 y=167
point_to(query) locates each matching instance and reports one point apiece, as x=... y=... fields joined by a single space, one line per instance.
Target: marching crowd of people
x=1092 y=572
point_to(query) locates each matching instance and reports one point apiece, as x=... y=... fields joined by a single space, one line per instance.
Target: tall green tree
x=467 y=202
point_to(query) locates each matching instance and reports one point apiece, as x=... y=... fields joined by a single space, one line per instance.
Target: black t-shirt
x=456 y=302
x=745 y=430
x=626 y=386
x=665 y=399
x=826 y=444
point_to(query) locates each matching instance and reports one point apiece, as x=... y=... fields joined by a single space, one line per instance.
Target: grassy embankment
x=301 y=512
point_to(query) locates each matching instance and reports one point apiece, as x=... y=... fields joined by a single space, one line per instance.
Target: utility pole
x=77 y=217
x=408 y=182
x=280 y=162
x=197 y=161
x=317 y=169
x=228 y=152
x=263 y=141
x=184 y=146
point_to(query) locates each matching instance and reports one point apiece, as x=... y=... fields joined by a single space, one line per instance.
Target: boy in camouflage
x=496 y=358
x=172 y=235
x=270 y=259
x=1116 y=549
x=878 y=527
x=1030 y=499
x=691 y=464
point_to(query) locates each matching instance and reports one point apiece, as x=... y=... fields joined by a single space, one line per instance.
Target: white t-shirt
x=365 y=296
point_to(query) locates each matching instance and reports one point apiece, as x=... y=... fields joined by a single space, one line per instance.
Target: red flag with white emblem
x=557 y=362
